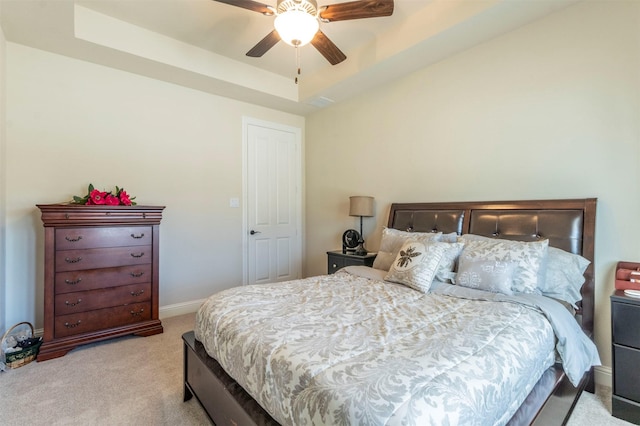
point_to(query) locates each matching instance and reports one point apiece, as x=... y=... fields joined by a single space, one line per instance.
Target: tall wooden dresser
x=100 y=274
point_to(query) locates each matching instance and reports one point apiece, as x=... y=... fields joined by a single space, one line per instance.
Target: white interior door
x=273 y=237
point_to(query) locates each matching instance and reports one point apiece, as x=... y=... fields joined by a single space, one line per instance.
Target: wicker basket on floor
x=21 y=357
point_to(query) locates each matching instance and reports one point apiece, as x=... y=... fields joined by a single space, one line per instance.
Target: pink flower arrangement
x=95 y=197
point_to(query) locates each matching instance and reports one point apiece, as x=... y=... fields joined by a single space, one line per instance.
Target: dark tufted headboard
x=568 y=224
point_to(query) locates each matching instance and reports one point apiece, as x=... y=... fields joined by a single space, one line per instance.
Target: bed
x=293 y=382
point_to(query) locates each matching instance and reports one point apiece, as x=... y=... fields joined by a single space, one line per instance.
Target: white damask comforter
x=344 y=349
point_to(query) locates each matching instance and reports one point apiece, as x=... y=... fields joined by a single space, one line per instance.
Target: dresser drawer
x=91 y=279
x=77 y=260
x=85 y=322
x=625 y=319
x=82 y=301
x=626 y=374
x=82 y=238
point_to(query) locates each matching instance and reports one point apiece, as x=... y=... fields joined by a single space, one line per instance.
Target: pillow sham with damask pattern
x=564 y=276
x=529 y=257
x=489 y=275
x=416 y=264
x=392 y=240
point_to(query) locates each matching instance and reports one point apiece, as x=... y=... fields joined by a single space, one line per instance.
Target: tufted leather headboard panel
x=563 y=228
x=444 y=221
x=568 y=224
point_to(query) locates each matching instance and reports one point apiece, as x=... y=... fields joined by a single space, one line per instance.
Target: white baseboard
x=603 y=376
x=176 y=309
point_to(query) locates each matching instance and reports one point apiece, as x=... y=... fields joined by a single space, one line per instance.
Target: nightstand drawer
x=334 y=263
x=626 y=320
x=625 y=409
x=337 y=260
x=627 y=375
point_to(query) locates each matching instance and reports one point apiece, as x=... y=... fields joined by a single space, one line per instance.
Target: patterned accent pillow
x=448 y=262
x=416 y=264
x=564 y=275
x=392 y=240
x=488 y=275
x=529 y=257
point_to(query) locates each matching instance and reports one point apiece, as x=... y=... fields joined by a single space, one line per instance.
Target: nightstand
x=337 y=260
x=625 y=339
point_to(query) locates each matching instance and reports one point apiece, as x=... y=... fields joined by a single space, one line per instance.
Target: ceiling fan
x=297 y=22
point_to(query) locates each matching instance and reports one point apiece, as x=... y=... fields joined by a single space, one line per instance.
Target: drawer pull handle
x=137 y=314
x=76 y=260
x=334 y=266
x=137 y=293
x=72 y=304
x=74 y=282
x=136 y=274
x=137 y=237
x=137 y=255
x=66 y=324
x=73 y=240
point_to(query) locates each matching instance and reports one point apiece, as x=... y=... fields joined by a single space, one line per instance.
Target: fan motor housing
x=309 y=6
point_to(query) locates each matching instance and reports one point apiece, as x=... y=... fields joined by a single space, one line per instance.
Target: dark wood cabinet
x=337 y=260
x=625 y=338
x=100 y=274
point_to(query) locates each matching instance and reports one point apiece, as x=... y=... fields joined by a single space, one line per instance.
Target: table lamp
x=362 y=206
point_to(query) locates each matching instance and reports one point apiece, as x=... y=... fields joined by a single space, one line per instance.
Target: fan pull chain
x=297 y=62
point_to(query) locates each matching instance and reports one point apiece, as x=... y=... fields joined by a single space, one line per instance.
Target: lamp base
x=360 y=250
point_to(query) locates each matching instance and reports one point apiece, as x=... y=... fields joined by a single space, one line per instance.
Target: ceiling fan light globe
x=296 y=27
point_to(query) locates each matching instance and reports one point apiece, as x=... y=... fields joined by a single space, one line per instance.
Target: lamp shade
x=361 y=205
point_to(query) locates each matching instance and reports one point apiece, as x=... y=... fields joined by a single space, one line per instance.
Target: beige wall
x=71 y=123
x=550 y=110
x=3 y=164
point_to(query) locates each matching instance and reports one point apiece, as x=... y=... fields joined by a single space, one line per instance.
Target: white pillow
x=564 y=275
x=529 y=257
x=416 y=264
x=392 y=240
x=488 y=275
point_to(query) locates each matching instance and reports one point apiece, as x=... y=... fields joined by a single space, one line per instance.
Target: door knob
x=252 y=232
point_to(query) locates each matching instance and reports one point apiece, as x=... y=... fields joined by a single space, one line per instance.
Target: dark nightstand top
x=351 y=255
x=619 y=296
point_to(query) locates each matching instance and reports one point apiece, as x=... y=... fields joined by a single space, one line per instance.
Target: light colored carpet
x=138 y=381
x=124 y=381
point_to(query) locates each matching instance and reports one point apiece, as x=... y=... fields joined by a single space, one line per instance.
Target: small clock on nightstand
x=337 y=260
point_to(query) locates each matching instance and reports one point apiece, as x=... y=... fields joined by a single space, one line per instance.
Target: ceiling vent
x=320 y=102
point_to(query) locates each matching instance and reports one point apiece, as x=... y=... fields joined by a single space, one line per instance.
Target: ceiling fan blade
x=326 y=47
x=356 y=10
x=265 y=44
x=249 y=4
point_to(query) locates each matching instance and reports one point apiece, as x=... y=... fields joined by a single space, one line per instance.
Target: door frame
x=246 y=122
